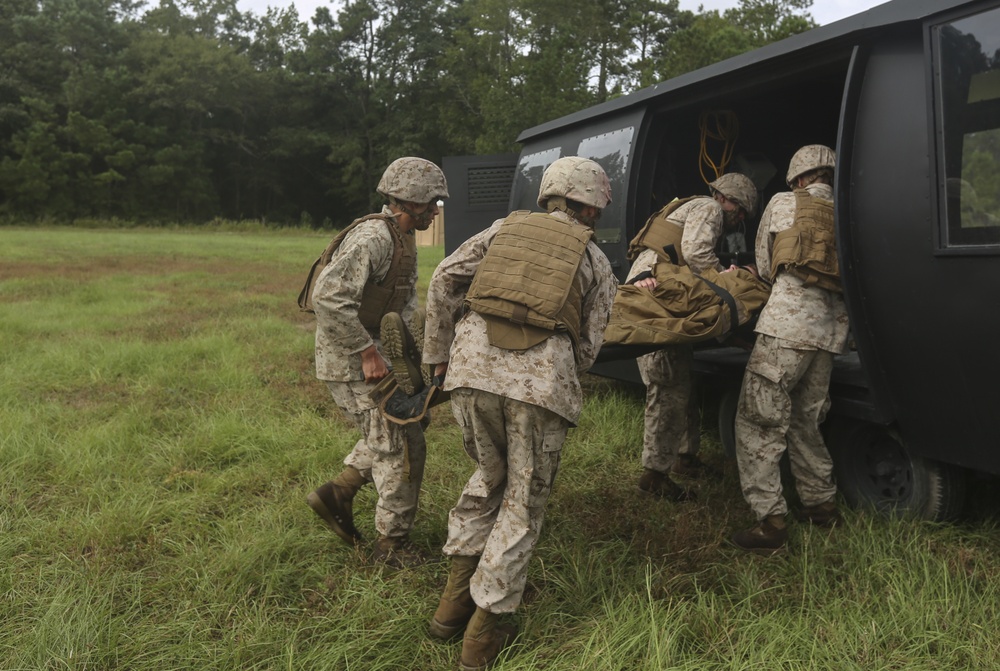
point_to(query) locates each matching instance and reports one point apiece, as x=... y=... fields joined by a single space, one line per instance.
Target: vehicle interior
x=754 y=129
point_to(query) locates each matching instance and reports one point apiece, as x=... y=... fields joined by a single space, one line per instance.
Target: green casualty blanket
x=684 y=308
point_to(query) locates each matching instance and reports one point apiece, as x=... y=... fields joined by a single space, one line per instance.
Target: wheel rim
x=873 y=468
x=889 y=472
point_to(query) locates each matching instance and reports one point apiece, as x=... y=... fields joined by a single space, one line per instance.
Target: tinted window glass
x=968 y=83
x=611 y=151
x=528 y=178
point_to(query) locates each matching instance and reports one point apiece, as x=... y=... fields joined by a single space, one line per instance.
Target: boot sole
x=763 y=552
x=682 y=498
x=349 y=535
x=418 y=323
x=822 y=522
x=398 y=346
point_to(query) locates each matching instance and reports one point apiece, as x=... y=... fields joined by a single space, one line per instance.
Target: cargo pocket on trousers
x=546 y=468
x=764 y=400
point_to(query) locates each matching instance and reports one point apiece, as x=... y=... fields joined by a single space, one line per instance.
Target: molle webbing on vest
x=391 y=293
x=808 y=249
x=527 y=280
x=659 y=233
x=305 y=296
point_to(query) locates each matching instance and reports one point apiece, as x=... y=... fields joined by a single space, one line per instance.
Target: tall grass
x=160 y=427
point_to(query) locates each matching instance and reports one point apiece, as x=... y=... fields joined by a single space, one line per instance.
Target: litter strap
x=727 y=298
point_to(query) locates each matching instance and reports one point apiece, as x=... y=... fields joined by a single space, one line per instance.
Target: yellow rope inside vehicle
x=725 y=129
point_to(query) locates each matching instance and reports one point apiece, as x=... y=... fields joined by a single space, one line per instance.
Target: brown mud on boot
x=691 y=466
x=456 y=606
x=402 y=352
x=766 y=538
x=484 y=640
x=334 y=503
x=662 y=487
x=398 y=553
x=824 y=515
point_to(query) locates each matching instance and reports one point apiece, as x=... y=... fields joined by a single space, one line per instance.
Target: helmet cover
x=808 y=158
x=738 y=188
x=575 y=178
x=414 y=180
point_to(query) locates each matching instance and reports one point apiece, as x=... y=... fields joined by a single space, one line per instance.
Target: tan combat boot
x=456 y=606
x=334 y=503
x=767 y=537
x=418 y=327
x=691 y=466
x=484 y=639
x=823 y=515
x=662 y=487
x=400 y=348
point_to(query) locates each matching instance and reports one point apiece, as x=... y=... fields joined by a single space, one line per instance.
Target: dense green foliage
x=190 y=109
x=161 y=427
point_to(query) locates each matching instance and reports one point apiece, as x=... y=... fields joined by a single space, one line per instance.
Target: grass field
x=161 y=427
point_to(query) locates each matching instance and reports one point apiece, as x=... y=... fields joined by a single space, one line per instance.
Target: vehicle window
x=611 y=151
x=968 y=84
x=529 y=177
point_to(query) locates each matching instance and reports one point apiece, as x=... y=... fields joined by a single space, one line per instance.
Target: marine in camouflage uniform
x=672 y=418
x=376 y=249
x=514 y=406
x=785 y=394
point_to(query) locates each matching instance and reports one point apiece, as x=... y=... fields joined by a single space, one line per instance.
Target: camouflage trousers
x=672 y=419
x=784 y=399
x=516 y=447
x=389 y=455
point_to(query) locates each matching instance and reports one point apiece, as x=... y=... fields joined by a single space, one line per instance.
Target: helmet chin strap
x=425 y=217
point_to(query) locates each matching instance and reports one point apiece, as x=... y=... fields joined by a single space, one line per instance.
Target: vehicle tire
x=874 y=470
x=729 y=398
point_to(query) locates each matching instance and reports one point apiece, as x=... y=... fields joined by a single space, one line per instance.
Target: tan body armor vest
x=808 y=249
x=378 y=298
x=659 y=233
x=525 y=286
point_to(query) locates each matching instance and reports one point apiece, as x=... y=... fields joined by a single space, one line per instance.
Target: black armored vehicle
x=908 y=93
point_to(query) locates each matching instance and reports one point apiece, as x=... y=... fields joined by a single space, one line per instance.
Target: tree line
x=189 y=110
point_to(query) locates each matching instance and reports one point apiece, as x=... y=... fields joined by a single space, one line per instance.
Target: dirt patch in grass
x=243 y=278
x=112 y=394
x=91 y=269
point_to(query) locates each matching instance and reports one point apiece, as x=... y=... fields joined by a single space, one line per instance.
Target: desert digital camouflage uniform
x=380 y=457
x=701 y=223
x=514 y=408
x=785 y=393
x=671 y=421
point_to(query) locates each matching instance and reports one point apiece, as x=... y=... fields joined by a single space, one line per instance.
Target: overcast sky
x=824 y=11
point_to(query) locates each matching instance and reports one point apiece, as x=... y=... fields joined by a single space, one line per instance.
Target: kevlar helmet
x=738 y=188
x=414 y=180
x=809 y=158
x=575 y=178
